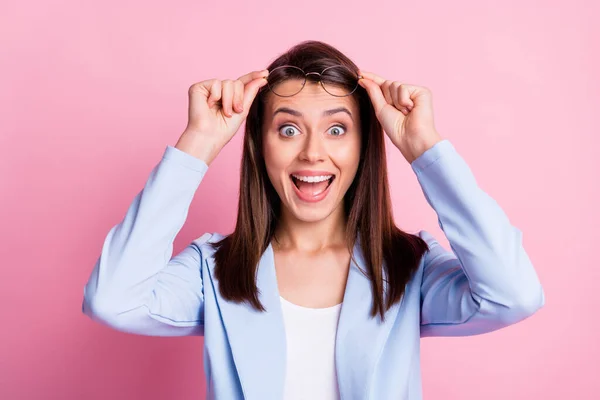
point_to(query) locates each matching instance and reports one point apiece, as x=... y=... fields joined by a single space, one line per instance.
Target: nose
x=313 y=149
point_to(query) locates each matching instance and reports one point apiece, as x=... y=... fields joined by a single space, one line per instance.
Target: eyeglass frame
x=315 y=73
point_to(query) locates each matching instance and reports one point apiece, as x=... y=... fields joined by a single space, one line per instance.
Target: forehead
x=311 y=101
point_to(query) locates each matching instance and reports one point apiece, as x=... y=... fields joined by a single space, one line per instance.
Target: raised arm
x=487 y=282
x=136 y=285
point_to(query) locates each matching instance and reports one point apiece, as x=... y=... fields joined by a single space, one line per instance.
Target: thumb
x=375 y=93
x=250 y=91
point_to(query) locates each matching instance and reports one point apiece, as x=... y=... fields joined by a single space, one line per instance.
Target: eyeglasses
x=334 y=80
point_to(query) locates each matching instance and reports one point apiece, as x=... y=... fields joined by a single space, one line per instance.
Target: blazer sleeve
x=136 y=285
x=488 y=281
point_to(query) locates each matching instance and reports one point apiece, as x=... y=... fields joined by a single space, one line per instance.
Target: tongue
x=311 y=189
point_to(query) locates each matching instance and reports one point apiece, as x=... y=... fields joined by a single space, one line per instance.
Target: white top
x=310 y=338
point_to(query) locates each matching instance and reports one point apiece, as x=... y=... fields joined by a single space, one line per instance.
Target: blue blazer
x=485 y=283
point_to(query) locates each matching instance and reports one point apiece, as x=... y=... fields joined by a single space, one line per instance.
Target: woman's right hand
x=215 y=112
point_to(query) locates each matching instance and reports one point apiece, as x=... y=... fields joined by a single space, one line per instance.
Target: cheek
x=269 y=147
x=346 y=154
x=277 y=160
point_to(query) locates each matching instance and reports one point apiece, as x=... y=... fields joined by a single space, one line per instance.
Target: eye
x=289 y=129
x=336 y=128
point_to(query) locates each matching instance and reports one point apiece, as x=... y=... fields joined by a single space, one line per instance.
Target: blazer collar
x=258 y=341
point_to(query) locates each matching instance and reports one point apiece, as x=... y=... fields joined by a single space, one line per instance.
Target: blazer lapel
x=258 y=342
x=360 y=337
x=257 y=339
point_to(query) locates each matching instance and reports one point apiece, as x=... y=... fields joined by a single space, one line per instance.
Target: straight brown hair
x=367 y=204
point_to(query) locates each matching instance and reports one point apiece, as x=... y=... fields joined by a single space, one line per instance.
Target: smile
x=316 y=189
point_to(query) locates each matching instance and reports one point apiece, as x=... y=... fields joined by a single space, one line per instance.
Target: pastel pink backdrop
x=91 y=95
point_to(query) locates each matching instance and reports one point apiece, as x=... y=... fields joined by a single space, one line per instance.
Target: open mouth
x=312 y=191
x=297 y=182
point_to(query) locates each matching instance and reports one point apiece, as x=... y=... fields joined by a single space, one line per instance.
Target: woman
x=316 y=294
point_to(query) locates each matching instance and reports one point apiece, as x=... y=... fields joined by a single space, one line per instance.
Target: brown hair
x=367 y=203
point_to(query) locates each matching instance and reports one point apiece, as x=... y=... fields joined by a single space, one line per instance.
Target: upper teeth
x=312 y=178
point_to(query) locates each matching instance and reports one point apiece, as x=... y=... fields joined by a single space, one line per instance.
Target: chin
x=312 y=211
x=307 y=215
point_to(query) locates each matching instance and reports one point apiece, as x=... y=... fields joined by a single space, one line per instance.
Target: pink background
x=92 y=94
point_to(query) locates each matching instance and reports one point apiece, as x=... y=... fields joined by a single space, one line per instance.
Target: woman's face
x=311 y=136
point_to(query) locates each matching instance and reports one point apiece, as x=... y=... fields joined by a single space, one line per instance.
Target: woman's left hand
x=405 y=112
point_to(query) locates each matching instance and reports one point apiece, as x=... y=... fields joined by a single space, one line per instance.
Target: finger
x=394 y=89
x=250 y=91
x=238 y=96
x=404 y=94
x=375 y=94
x=249 y=77
x=227 y=96
x=385 y=89
x=215 y=92
x=376 y=78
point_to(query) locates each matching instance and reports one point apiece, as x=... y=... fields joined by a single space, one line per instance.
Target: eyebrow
x=326 y=113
